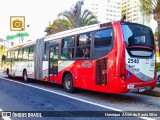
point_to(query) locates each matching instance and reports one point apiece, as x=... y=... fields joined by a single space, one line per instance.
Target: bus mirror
x=3 y=57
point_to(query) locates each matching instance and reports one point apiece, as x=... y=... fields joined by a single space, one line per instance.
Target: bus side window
x=25 y=54
x=20 y=53
x=16 y=55
x=67 y=48
x=45 y=57
x=31 y=53
x=79 y=51
x=83 y=46
x=103 y=42
x=103 y=38
x=13 y=54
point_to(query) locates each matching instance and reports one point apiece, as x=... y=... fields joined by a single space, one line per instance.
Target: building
x=105 y=10
x=133 y=12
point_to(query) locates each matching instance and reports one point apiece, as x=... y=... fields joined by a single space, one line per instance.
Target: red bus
x=115 y=57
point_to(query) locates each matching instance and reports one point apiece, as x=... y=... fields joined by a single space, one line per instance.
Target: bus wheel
x=68 y=83
x=25 y=77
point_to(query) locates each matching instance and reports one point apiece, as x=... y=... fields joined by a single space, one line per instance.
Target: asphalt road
x=36 y=96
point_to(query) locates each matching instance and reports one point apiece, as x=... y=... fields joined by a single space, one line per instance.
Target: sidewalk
x=155 y=92
x=2 y=74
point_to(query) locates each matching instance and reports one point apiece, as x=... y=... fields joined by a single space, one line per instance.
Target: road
x=15 y=95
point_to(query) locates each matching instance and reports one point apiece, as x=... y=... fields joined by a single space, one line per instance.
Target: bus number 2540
x=130 y=60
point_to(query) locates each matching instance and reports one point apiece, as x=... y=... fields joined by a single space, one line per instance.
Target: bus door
x=53 y=62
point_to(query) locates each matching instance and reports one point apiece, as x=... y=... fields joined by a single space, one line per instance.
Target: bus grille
x=101 y=71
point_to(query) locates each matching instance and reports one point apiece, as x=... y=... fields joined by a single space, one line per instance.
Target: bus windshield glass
x=138 y=35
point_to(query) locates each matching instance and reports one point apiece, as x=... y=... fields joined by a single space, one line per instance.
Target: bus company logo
x=17 y=23
x=86 y=64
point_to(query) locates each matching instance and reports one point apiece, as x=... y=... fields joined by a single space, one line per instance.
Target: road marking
x=78 y=99
x=5 y=118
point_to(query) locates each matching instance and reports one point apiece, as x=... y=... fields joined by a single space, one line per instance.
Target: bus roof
x=84 y=29
x=75 y=31
x=132 y=23
x=21 y=45
x=16 y=47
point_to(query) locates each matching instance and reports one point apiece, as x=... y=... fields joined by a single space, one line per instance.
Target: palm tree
x=76 y=18
x=150 y=7
x=72 y=19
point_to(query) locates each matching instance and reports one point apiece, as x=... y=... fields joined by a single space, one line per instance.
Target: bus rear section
x=129 y=66
x=137 y=70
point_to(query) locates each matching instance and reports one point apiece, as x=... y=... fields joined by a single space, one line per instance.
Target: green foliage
x=57 y=26
x=73 y=18
x=156 y=34
x=79 y=18
x=146 y=6
x=152 y=7
x=158 y=66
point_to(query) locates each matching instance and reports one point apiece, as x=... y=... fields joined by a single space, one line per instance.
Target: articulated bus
x=115 y=57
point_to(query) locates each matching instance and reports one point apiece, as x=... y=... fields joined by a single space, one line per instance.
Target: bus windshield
x=138 y=35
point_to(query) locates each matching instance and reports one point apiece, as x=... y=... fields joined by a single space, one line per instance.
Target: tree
x=156 y=34
x=73 y=18
x=57 y=26
x=78 y=18
x=150 y=7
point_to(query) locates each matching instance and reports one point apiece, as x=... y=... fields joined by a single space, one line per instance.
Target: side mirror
x=3 y=57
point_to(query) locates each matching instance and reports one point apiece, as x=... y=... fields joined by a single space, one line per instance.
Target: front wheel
x=68 y=83
x=25 y=77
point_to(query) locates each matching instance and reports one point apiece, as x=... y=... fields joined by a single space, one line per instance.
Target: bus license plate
x=141 y=90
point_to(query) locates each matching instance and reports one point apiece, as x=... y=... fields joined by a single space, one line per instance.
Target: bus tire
x=68 y=83
x=25 y=77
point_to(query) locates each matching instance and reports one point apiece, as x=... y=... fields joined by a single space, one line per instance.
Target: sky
x=38 y=14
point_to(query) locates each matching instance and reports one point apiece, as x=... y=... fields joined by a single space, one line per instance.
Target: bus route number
x=131 y=60
x=86 y=64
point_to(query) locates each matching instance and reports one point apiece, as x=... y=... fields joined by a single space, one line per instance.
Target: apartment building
x=133 y=12
x=105 y=10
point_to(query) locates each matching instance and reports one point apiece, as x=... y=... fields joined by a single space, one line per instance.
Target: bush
x=158 y=66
